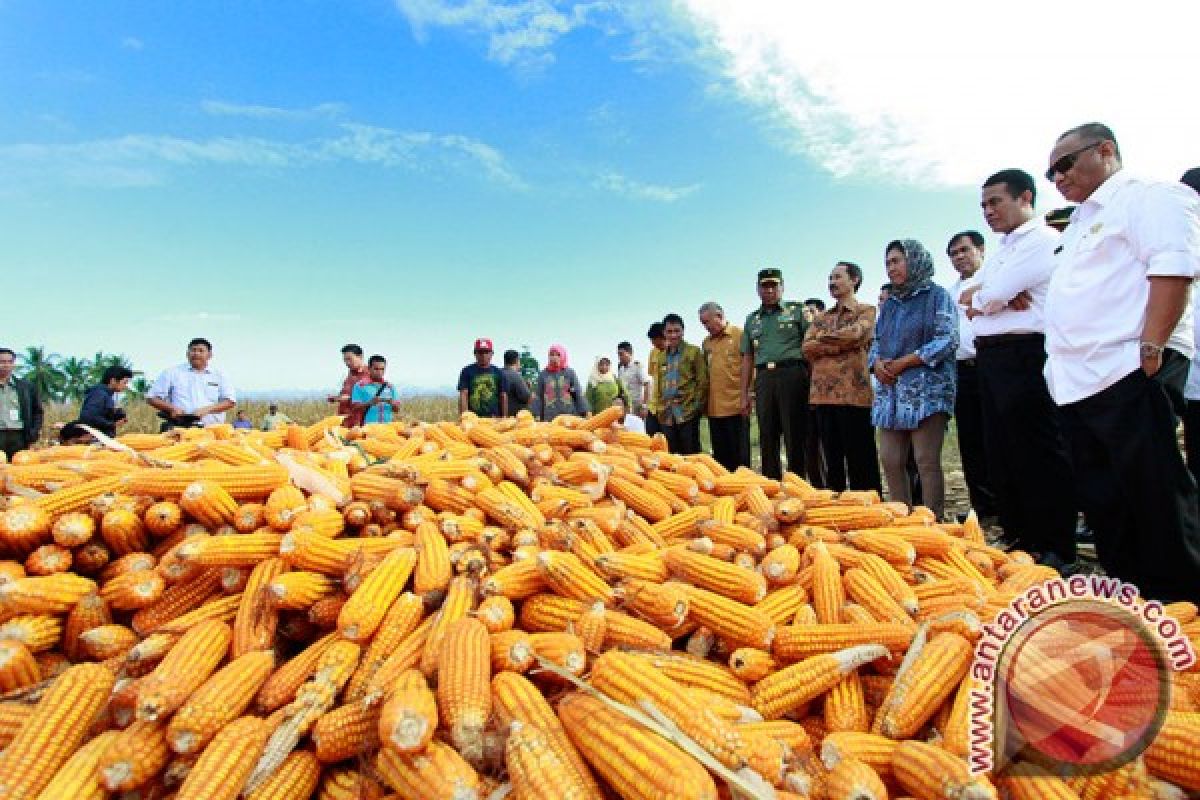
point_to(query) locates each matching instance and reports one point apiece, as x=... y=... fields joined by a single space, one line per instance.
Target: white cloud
x=518 y=32
x=943 y=93
x=138 y=160
x=132 y=43
x=220 y=108
x=617 y=183
x=197 y=316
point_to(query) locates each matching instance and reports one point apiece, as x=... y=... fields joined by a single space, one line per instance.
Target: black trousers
x=968 y=418
x=1027 y=458
x=12 y=442
x=849 y=444
x=781 y=402
x=816 y=460
x=683 y=438
x=730 y=438
x=1191 y=437
x=653 y=426
x=1138 y=496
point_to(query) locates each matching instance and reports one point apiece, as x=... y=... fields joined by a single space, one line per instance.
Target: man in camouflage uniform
x=772 y=357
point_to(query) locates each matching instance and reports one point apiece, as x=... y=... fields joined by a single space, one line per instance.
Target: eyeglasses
x=1064 y=164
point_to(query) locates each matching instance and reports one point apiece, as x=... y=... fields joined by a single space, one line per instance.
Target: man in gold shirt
x=658 y=345
x=728 y=430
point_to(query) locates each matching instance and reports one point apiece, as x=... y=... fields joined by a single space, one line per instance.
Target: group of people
x=1064 y=355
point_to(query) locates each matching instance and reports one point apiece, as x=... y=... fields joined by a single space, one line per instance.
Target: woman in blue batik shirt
x=912 y=359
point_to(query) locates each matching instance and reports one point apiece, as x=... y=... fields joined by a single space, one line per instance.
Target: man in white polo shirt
x=194 y=392
x=1119 y=340
x=1027 y=457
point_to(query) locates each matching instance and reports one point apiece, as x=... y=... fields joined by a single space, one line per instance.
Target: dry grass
x=143 y=419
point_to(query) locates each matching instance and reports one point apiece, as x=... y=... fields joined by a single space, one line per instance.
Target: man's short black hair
x=353 y=348
x=4 y=351
x=672 y=319
x=815 y=301
x=200 y=340
x=1190 y=178
x=656 y=331
x=626 y=346
x=511 y=357
x=1094 y=132
x=855 y=273
x=975 y=236
x=376 y=359
x=1015 y=182
x=116 y=374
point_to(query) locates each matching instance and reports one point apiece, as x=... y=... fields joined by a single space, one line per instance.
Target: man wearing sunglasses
x=1119 y=340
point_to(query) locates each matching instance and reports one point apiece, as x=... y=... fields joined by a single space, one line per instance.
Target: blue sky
x=411 y=174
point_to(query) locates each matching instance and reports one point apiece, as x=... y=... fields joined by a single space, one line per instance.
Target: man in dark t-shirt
x=482 y=386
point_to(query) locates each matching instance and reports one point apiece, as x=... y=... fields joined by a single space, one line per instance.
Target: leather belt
x=1008 y=338
x=787 y=362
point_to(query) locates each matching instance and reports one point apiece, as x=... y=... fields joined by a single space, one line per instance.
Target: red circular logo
x=1083 y=684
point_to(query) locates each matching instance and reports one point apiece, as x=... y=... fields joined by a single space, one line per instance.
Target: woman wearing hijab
x=603 y=387
x=912 y=359
x=558 y=390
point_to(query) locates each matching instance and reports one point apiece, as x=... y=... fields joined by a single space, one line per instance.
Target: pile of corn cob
x=494 y=608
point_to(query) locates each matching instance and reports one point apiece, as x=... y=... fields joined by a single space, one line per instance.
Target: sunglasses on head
x=1064 y=164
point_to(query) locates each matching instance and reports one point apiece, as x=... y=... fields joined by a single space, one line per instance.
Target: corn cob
x=1028 y=781
x=1170 y=755
x=223 y=767
x=135 y=757
x=406 y=655
x=54 y=731
x=256 y=619
x=50 y=594
x=459 y=602
x=851 y=779
x=845 y=706
x=796 y=642
x=592 y=628
x=107 y=641
x=218 y=701
x=511 y=650
x=928 y=772
x=17 y=666
x=37 y=632
x=347 y=731
x=367 y=606
x=918 y=692
x=741 y=624
x=436 y=773
x=717 y=576
x=410 y=715
x=793 y=686
x=177 y=600
x=401 y=619
x=72 y=498
x=463 y=691
x=188 y=664
x=568 y=576
x=634 y=761
x=295 y=778
x=242 y=483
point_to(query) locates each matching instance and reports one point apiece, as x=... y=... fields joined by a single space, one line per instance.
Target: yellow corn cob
x=496 y=613
x=400 y=620
x=294 y=779
x=38 y=632
x=410 y=716
x=348 y=783
x=79 y=779
x=741 y=624
x=570 y=577
x=796 y=642
x=347 y=731
x=176 y=601
x=635 y=762
x=1027 y=781
x=281 y=687
x=49 y=594
x=299 y=590
x=848 y=518
x=365 y=610
x=956 y=732
x=592 y=628
x=793 y=686
x=303 y=549
x=717 y=576
x=221 y=609
x=17 y=666
x=75 y=498
x=828 y=591
x=564 y=650
x=223 y=767
x=781 y=565
x=54 y=731
x=697 y=673
x=135 y=757
x=1171 y=755
x=433 y=571
x=327 y=522
x=890 y=547
x=552 y=613
x=865 y=590
x=406 y=655
x=928 y=772
x=463 y=691
x=255 y=622
x=134 y=590
x=107 y=641
x=208 y=503
x=872 y=749
x=231 y=551
x=644 y=566
x=189 y=663
x=436 y=773
x=13 y=715
x=751 y=665
x=459 y=602
x=73 y=530
x=845 y=706
x=218 y=701
x=782 y=604
x=890 y=580
x=515 y=581
x=49 y=559
x=921 y=689
x=511 y=650
x=242 y=483
x=851 y=779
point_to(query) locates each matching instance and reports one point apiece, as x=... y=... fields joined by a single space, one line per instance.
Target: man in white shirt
x=192 y=393
x=1027 y=457
x=965 y=250
x=1119 y=338
x=1191 y=392
x=633 y=377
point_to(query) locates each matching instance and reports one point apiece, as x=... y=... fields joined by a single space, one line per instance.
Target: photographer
x=100 y=409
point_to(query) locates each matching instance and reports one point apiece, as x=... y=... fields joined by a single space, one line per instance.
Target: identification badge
x=14 y=415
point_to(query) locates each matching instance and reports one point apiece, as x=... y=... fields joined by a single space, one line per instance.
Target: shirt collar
x=851 y=304
x=1033 y=223
x=190 y=368
x=1105 y=191
x=775 y=309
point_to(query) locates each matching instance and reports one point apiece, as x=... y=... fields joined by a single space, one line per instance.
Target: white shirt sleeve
x=225 y=389
x=1167 y=231
x=1031 y=266
x=161 y=390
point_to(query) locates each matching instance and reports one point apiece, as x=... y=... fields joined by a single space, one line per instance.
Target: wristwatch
x=1151 y=350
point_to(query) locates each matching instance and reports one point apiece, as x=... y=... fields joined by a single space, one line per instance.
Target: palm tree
x=78 y=374
x=41 y=369
x=103 y=361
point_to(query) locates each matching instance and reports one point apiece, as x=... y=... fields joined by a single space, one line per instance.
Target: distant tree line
x=66 y=379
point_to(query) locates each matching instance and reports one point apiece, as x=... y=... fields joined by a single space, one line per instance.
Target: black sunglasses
x=1064 y=164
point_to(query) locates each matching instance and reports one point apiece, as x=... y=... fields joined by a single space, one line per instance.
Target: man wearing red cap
x=481 y=386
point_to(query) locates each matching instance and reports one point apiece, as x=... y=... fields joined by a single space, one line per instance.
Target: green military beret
x=770 y=274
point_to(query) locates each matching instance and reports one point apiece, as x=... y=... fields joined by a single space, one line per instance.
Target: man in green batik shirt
x=680 y=388
x=772 y=357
